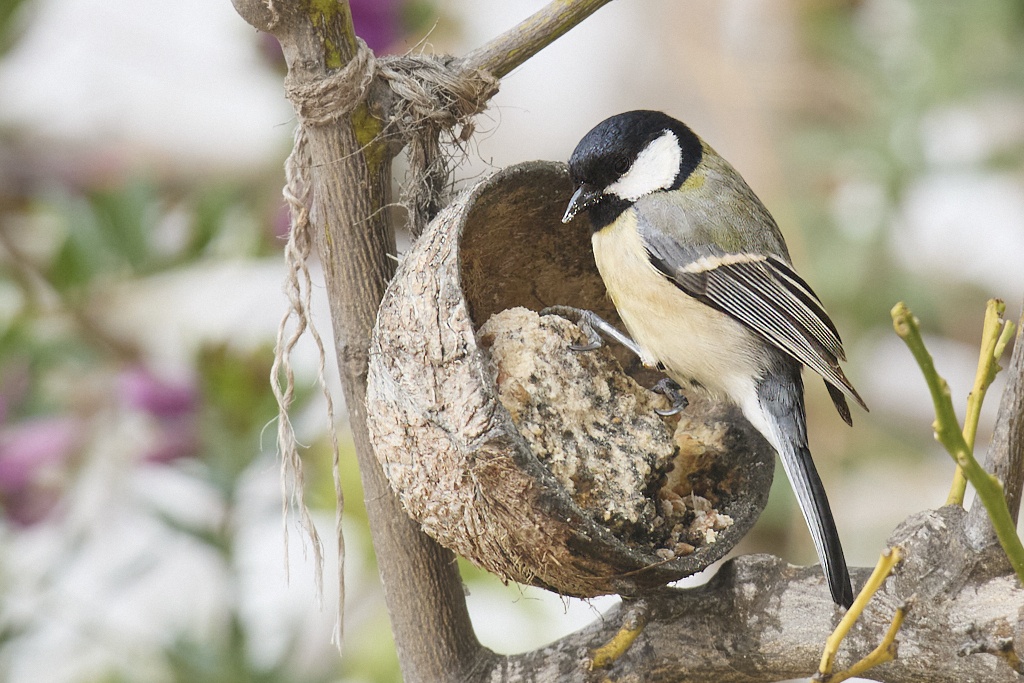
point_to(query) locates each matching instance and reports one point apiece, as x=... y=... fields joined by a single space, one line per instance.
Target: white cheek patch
x=655 y=168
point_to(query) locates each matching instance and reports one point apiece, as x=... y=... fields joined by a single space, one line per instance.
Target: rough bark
x=760 y=619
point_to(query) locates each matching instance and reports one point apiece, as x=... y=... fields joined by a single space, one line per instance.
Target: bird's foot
x=591 y=324
x=586 y=320
x=671 y=390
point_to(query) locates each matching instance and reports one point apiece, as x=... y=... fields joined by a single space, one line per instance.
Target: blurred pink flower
x=138 y=388
x=378 y=22
x=178 y=438
x=173 y=404
x=32 y=455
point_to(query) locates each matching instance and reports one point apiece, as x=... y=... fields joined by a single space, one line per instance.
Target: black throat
x=605 y=211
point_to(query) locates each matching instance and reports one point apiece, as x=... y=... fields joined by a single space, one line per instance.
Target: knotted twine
x=429 y=96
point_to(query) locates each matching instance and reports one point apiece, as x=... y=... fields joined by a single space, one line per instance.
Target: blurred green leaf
x=370 y=653
x=318 y=461
x=237 y=405
x=125 y=219
x=37 y=356
x=84 y=253
x=10 y=28
x=237 y=386
x=211 y=207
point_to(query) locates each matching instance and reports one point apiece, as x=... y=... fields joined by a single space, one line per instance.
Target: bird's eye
x=621 y=165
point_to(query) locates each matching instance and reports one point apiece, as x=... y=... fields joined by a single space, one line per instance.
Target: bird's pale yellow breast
x=692 y=340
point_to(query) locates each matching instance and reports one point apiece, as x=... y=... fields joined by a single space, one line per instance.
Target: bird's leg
x=671 y=390
x=590 y=324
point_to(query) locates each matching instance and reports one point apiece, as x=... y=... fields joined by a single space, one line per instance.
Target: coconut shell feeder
x=542 y=464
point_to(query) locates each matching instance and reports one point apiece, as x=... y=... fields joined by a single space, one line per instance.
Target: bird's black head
x=626 y=157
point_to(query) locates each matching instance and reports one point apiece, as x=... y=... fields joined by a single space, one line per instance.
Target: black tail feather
x=782 y=405
x=814 y=504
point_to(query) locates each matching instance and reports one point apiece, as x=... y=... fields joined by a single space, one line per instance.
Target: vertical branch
x=424 y=594
x=350 y=176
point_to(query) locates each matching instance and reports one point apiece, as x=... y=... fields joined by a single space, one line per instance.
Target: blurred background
x=141 y=228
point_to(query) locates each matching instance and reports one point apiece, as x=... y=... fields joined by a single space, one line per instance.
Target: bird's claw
x=585 y=320
x=671 y=390
x=592 y=324
x=590 y=346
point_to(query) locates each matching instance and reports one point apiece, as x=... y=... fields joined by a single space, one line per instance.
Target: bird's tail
x=781 y=407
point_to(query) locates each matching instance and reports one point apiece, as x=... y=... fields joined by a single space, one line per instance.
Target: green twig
x=886 y=650
x=632 y=626
x=993 y=342
x=948 y=433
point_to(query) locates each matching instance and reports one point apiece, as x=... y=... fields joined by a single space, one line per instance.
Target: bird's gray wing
x=765 y=294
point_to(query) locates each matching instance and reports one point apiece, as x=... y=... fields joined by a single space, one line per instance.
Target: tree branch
x=762 y=620
x=512 y=48
x=350 y=183
x=948 y=433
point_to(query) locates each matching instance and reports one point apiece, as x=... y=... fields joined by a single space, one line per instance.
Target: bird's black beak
x=584 y=196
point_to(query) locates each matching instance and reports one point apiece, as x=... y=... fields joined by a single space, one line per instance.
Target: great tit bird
x=702 y=280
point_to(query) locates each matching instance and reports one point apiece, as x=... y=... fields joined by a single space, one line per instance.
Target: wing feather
x=766 y=295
